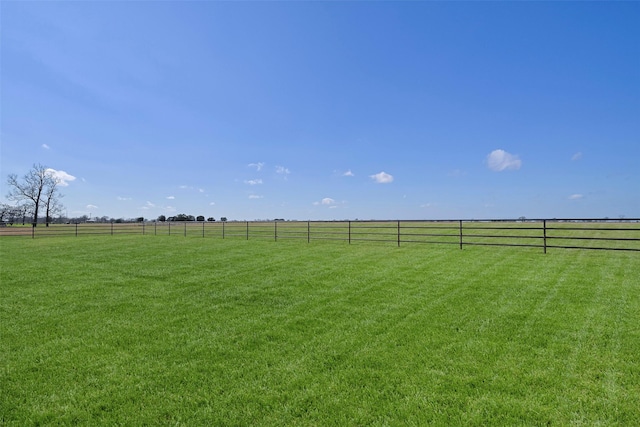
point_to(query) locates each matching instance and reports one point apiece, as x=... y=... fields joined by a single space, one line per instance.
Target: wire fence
x=600 y=234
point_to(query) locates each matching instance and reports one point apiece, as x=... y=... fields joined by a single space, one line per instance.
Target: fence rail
x=600 y=234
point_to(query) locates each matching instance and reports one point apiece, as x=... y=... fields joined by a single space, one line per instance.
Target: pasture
x=163 y=330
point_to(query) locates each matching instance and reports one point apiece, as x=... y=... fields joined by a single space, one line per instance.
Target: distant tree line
x=185 y=217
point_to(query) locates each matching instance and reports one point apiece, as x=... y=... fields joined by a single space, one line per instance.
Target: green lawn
x=168 y=330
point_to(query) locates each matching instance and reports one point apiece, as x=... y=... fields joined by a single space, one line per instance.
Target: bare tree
x=36 y=186
x=51 y=200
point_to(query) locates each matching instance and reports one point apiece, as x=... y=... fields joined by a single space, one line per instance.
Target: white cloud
x=282 y=170
x=327 y=201
x=258 y=166
x=253 y=181
x=92 y=207
x=123 y=198
x=254 y=196
x=382 y=178
x=576 y=197
x=348 y=173
x=499 y=160
x=62 y=177
x=46 y=147
x=191 y=188
x=576 y=156
x=171 y=197
x=150 y=205
x=212 y=203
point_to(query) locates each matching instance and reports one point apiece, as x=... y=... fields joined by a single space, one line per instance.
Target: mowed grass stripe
x=158 y=330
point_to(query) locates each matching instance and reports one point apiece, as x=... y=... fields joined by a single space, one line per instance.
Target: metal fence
x=602 y=234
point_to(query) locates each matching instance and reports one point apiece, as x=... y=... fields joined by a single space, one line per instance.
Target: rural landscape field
x=167 y=330
x=320 y=213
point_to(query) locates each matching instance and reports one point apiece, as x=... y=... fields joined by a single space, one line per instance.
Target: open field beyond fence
x=544 y=233
x=158 y=330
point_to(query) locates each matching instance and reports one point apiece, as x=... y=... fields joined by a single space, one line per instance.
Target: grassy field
x=162 y=330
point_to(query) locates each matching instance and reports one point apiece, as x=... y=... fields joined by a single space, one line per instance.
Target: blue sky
x=326 y=110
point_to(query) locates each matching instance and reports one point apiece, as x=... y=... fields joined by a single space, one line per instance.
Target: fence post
x=112 y=228
x=223 y=230
x=247 y=230
x=169 y=228
x=398 y=233
x=275 y=230
x=76 y=229
x=143 y=228
x=544 y=234
x=349 y=231
x=460 y=234
x=185 y=229
x=155 y=228
x=202 y=229
x=308 y=231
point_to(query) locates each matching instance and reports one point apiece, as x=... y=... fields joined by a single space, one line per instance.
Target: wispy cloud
x=253 y=181
x=171 y=197
x=62 y=177
x=123 y=198
x=92 y=207
x=255 y=196
x=46 y=147
x=191 y=188
x=282 y=170
x=499 y=160
x=382 y=178
x=576 y=197
x=348 y=173
x=327 y=201
x=576 y=156
x=258 y=166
